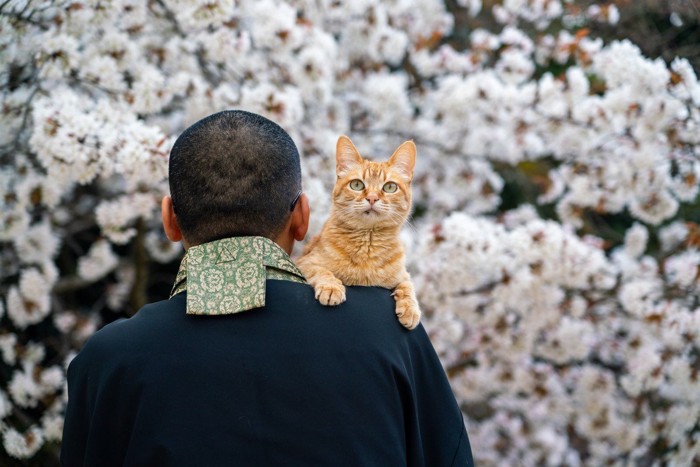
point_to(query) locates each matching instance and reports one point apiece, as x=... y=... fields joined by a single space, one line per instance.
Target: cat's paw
x=330 y=293
x=407 y=309
x=408 y=312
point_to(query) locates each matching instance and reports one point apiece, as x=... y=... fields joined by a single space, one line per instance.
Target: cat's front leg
x=328 y=289
x=407 y=309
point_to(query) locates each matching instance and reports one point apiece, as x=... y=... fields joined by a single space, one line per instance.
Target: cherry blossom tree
x=555 y=239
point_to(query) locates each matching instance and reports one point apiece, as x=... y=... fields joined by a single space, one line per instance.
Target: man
x=241 y=366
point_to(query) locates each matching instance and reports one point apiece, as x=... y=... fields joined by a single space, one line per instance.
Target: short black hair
x=233 y=173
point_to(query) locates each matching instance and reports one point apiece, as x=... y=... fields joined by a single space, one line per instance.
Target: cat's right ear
x=404 y=160
x=346 y=156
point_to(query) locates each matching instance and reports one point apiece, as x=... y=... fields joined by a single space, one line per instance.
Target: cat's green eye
x=390 y=187
x=357 y=185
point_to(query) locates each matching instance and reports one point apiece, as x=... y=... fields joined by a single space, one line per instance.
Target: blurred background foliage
x=661 y=28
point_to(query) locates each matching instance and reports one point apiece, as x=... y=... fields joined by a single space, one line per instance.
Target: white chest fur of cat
x=359 y=243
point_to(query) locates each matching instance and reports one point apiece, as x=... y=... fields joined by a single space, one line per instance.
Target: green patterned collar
x=228 y=275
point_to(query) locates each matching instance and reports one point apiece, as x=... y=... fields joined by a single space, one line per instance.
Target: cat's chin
x=371 y=216
x=373 y=220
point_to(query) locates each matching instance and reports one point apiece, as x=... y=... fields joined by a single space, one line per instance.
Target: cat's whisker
x=409 y=224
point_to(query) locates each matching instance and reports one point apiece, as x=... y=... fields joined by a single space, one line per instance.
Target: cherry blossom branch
x=137 y=297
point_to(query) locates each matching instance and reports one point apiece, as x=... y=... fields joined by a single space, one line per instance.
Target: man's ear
x=170 y=225
x=300 y=218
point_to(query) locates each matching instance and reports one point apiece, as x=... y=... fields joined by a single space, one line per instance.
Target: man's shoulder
x=367 y=316
x=123 y=334
x=302 y=295
x=368 y=312
x=371 y=301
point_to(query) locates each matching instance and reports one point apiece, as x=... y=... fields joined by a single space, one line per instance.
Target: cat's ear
x=346 y=156
x=404 y=159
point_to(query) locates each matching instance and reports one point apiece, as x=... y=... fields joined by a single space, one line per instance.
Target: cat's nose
x=372 y=199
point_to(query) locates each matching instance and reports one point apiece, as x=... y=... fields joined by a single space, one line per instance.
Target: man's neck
x=286 y=242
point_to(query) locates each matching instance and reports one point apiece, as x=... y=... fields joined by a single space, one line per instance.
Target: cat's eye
x=390 y=187
x=357 y=185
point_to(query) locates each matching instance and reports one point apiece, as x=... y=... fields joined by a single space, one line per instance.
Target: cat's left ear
x=404 y=159
x=346 y=156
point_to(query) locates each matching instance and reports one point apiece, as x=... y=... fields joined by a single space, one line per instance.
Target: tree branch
x=137 y=298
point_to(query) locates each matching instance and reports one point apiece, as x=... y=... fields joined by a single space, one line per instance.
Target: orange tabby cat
x=359 y=243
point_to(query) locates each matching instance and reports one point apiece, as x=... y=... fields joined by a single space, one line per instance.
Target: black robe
x=292 y=383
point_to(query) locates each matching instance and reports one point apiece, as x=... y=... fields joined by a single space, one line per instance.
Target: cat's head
x=371 y=194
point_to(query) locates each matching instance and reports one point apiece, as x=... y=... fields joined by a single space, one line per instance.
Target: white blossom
x=284 y=104
x=474 y=6
x=683 y=269
x=278 y=31
x=34 y=353
x=59 y=54
x=24 y=390
x=8 y=343
x=201 y=14
x=51 y=379
x=386 y=100
x=673 y=235
x=39 y=243
x=116 y=217
x=5 y=405
x=636 y=240
x=22 y=445
x=65 y=321
x=98 y=262
x=572 y=340
x=104 y=72
x=13 y=222
x=52 y=426
x=688 y=86
x=27 y=310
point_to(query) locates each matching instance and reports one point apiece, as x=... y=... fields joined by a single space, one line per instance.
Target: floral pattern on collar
x=228 y=276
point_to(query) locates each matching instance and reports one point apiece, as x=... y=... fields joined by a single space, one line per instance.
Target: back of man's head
x=233 y=173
